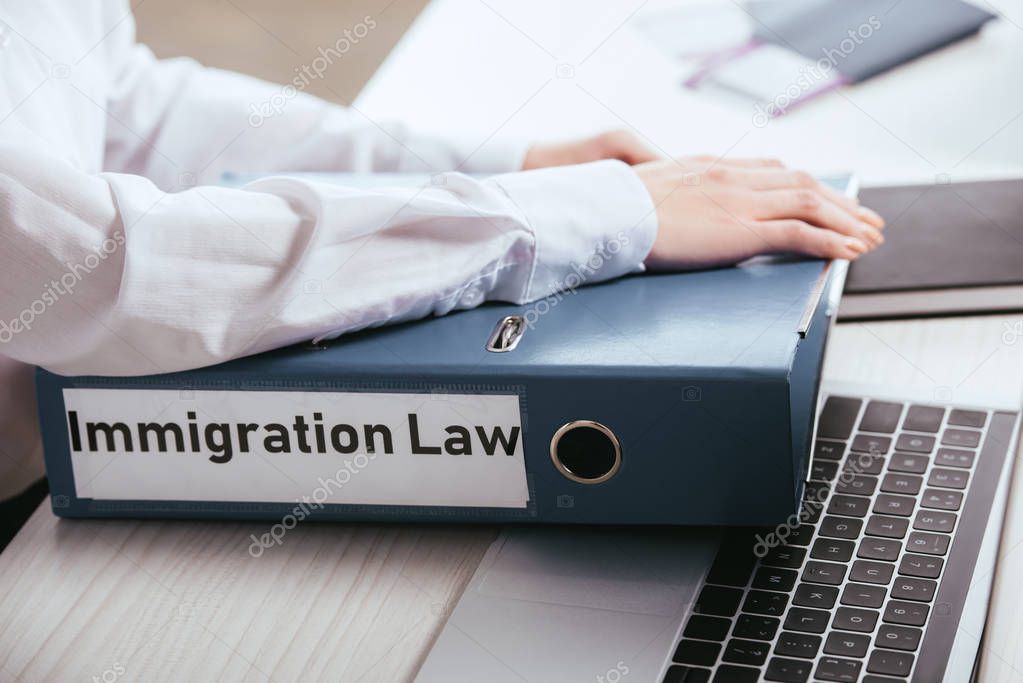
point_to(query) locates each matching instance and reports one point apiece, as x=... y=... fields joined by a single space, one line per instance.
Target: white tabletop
x=168 y=601
x=556 y=69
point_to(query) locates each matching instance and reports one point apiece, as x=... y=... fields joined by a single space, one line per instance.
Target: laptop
x=883 y=575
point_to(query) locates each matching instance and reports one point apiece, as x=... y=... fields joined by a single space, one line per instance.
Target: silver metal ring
x=606 y=431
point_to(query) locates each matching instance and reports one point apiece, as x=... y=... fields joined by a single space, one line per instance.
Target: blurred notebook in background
x=949 y=248
x=782 y=53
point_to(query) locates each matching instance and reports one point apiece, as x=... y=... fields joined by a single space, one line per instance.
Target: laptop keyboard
x=847 y=591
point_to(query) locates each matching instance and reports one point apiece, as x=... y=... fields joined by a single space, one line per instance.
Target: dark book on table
x=949 y=248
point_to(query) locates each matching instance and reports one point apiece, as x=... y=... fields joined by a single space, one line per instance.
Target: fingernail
x=871 y=216
x=875 y=235
x=857 y=246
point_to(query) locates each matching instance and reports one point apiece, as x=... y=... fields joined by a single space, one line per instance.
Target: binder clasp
x=506 y=334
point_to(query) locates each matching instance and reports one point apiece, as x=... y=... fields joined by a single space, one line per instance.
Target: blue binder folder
x=656 y=399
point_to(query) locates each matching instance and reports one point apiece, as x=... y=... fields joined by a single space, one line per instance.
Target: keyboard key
x=817 y=491
x=787 y=670
x=915 y=443
x=735 y=559
x=871 y=572
x=807 y=620
x=853 y=619
x=837 y=669
x=908 y=462
x=950 y=479
x=905 y=613
x=814 y=495
x=787 y=556
x=933 y=520
x=797 y=645
x=891 y=663
x=906 y=588
x=848 y=644
x=928 y=543
x=967 y=418
x=824 y=572
x=863 y=463
x=857 y=485
x=756 y=627
x=730 y=673
x=853 y=506
x=953 y=457
x=774 y=579
x=718 y=601
x=887 y=527
x=832 y=549
x=686 y=674
x=908 y=484
x=823 y=470
x=746 y=652
x=813 y=595
x=810 y=511
x=899 y=637
x=696 y=652
x=881 y=416
x=870 y=443
x=936 y=499
x=707 y=628
x=879 y=549
x=840 y=527
x=963 y=438
x=890 y=504
x=863 y=595
x=829 y=450
x=924 y=419
x=800 y=535
x=837 y=417
x=921 y=565
x=763 y=602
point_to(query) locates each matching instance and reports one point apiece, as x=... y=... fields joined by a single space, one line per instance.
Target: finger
x=777 y=179
x=637 y=153
x=625 y=146
x=813 y=207
x=735 y=163
x=752 y=163
x=803 y=238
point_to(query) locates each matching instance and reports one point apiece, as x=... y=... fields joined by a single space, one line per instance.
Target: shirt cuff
x=591 y=222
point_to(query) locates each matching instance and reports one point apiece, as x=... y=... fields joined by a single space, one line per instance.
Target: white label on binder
x=311 y=447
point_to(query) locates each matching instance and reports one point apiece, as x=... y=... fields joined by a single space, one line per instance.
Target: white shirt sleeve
x=107 y=274
x=180 y=124
x=135 y=271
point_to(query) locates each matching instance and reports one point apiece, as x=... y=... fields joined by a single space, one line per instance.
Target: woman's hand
x=714 y=212
x=619 y=144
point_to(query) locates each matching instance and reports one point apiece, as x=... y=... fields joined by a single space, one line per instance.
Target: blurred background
x=269 y=38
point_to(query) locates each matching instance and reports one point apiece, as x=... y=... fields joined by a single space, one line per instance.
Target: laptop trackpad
x=646 y=571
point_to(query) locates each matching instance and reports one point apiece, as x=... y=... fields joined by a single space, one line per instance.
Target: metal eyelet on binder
x=586 y=452
x=506 y=334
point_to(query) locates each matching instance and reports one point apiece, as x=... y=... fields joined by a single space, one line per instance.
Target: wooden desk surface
x=166 y=601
